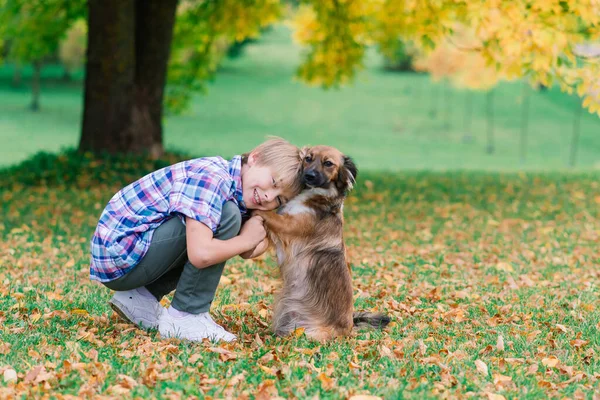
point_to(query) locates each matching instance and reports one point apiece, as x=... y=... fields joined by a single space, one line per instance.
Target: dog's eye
x=308 y=159
x=328 y=164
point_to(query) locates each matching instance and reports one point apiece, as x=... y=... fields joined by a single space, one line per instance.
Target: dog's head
x=326 y=167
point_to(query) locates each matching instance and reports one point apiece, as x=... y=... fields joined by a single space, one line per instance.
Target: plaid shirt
x=195 y=188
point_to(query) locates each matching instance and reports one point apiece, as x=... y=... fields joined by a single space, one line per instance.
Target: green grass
x=384 y=120
x=458 y=259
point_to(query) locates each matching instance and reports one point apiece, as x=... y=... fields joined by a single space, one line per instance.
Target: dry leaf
x=550 y=361
x=326 y=382
x=504 y=266
x=578 y=343
x=494 y=396
x=10 y=375
x=33 y=373
x=481 y=367
x=298 y=332
x=500 y=343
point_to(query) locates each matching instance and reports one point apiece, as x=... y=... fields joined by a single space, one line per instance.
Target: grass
x=488 y=267
x=481 y=271
x=386 y=121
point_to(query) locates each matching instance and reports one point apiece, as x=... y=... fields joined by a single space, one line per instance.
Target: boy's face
x=261 y=187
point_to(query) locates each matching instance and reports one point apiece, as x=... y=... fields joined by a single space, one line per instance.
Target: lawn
x=491 y=281
x=489 y=274
x=387 y=121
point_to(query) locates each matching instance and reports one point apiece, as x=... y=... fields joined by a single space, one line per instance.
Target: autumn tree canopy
x=143 y=55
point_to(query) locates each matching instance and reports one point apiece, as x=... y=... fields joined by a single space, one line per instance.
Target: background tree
x=34 y=30
x=129 y=46
x=72 y=48
x=536 y=39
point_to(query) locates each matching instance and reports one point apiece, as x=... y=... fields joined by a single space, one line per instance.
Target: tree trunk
x=127 y=55
x=17 y=77
x=110 y=69
x=35 y=86
x=448 y=105
x=524 y=122
x=154 y=32
x=468 y=116
x=575 y=136
x=490 y=148
x=434 y=100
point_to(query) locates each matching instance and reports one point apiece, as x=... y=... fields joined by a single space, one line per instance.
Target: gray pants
x=166 y=267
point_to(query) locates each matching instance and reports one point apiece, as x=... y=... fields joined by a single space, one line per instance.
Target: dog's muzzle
x=313 y=178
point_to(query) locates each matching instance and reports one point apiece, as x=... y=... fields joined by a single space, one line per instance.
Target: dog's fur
x=308 y=236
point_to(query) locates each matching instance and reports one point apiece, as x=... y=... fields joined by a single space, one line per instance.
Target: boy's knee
x=231 y=221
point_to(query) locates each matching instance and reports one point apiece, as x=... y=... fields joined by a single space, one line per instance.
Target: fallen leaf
x=481 y=367
x=500 y=343
x=504 y=266
x=298 y=332
x=10 y=375
x=550 y=361
x=33 y=373
x=326 y=382
x=578 y=343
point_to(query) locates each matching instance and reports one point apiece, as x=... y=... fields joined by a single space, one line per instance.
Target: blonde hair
x=285 y=160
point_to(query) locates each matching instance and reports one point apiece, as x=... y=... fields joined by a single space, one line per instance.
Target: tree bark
x=110 y=68
x=154 y=32
x=490 y=148
x=524 y=122
x=128 y=51
x=35 y=86
x=17 y=76
x=575 y=135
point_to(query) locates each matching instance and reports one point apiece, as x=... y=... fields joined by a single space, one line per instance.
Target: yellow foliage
x=506 y=39
x=72 y=47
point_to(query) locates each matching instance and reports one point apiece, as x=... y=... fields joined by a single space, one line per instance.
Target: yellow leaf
x=298 y=332
x=326 y=382
x=504 y=266
x=550 y=361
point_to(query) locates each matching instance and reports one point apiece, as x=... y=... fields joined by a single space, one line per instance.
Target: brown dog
x=308 y=236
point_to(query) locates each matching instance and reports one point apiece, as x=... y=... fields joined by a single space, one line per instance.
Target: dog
x=307 y=233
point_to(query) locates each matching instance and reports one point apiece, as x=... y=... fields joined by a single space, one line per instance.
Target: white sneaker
x=194 y=327
x=136 y=308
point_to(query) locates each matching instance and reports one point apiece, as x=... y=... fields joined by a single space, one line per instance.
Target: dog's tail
x=371 y=320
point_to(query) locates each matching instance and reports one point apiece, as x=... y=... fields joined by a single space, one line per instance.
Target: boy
x=176 y=227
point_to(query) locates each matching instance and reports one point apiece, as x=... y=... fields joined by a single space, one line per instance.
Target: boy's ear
x=251 y=159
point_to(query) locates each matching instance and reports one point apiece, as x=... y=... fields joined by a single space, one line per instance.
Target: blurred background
x=257 y=71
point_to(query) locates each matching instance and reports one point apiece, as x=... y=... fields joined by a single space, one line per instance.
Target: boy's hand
x=257 y=251
x=253 y=231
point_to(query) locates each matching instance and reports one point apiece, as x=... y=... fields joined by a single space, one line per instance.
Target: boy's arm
x=204 y=250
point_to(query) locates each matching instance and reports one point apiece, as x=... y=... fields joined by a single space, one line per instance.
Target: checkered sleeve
x=200 y=197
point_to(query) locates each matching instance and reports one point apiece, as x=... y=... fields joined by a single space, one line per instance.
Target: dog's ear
x=347 y=175
x=303 y=152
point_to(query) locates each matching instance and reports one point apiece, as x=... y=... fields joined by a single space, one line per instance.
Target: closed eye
x=279 y=201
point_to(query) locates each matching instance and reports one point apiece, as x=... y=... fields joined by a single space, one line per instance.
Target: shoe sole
x=118 y=307
x=174 y=334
